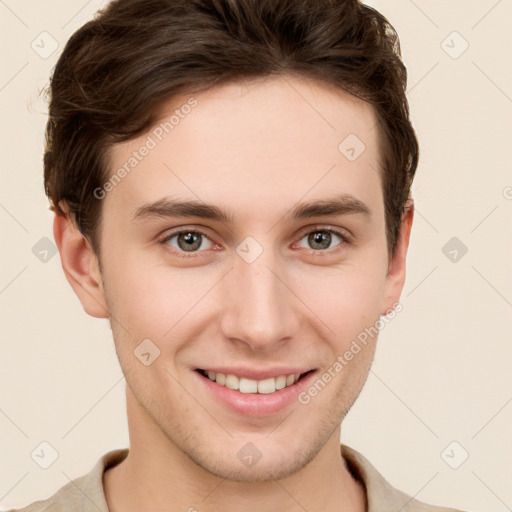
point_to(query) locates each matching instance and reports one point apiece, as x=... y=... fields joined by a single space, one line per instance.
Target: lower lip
x=256 y=404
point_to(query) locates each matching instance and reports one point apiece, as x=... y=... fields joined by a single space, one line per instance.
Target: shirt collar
x=380 y=495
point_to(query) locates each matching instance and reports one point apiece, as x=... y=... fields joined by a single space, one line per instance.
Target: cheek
x=150 y=298
x=347 y=298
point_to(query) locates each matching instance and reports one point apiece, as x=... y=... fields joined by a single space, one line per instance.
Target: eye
x=188 y=240
x=321 y=239
x=194 y=241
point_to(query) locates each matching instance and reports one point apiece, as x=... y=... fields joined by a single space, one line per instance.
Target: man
x=231 y=183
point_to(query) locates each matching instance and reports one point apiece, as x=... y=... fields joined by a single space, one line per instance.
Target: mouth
x=251 y=386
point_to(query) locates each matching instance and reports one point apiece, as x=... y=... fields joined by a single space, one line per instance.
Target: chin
x=259 y=471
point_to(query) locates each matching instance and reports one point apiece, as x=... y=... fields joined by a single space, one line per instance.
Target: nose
x=260 y=308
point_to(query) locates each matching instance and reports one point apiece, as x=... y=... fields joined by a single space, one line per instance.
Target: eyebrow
x=343 y=204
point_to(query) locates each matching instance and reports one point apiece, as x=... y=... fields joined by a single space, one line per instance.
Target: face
x=276 y=268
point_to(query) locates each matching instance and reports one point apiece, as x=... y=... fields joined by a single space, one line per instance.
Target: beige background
x=442 y=369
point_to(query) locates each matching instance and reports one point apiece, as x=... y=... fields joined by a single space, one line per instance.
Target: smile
x=246 y=385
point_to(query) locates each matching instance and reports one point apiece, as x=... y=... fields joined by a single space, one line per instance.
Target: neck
x=158 y=475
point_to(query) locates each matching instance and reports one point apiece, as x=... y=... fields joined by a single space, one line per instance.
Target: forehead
x=268 y=141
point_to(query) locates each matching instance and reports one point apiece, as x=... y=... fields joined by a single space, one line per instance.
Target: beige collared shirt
x=85 y=494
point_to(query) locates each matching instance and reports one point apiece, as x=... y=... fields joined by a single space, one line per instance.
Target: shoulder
x=82 y=494
x=66 y=498
x=381 y=495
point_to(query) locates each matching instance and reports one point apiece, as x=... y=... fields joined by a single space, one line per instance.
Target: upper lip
x=256 y=374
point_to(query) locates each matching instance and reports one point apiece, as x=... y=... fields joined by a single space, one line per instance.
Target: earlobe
x=80 y=266
x=395 y=278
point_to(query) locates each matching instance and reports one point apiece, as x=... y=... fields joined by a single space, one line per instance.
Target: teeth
x=244 y=385
x=281 y=382
x=248 y=386
x=232 y=382
x=267 y=386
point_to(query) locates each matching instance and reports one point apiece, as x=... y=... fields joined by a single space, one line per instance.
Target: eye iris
x=191 y=241
x=321 y=238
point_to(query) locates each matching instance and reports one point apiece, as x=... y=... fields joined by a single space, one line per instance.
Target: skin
x=255 y=149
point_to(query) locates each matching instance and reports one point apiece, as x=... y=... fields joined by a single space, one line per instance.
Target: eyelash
x=345 y=240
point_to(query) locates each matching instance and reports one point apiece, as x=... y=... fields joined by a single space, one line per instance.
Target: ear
x=395 y=278
x=80 y=266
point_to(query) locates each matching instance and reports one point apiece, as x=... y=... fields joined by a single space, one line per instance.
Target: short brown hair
x=117 y=70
